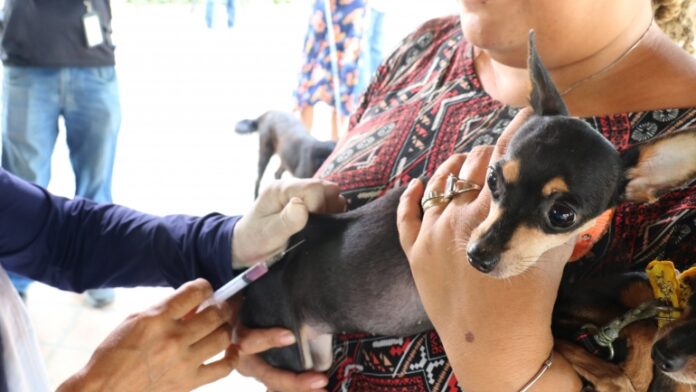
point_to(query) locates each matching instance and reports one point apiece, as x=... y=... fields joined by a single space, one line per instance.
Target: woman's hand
x=496 y=332
x=280 y=211
x=163 y=348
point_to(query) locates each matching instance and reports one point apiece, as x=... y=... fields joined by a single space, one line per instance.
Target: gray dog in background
x=283 y=134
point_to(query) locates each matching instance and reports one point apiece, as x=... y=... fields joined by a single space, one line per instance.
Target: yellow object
x=666 y=288
x=685 y=287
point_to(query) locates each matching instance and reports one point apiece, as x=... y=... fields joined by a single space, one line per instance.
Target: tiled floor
x=182 y=89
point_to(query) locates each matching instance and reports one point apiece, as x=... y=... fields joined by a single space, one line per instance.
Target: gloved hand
x=280 y=211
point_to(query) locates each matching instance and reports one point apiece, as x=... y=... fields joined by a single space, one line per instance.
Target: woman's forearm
x=497 y=334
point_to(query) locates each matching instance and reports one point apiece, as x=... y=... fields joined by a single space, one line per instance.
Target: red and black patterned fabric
x=427 y=103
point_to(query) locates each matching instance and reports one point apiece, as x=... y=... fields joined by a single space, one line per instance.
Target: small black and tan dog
x=674 y=350
x=283 y=134
x=646 y=359
x=558 y=175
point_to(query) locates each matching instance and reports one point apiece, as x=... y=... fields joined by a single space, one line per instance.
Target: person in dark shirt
x=80 y=244
x=58 y=61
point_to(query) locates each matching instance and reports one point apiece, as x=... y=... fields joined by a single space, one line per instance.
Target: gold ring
x=433 y=201
x=456 y=186
x=432 y=198
x=432 y=195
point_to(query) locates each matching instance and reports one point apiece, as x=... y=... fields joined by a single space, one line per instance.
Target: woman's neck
x=595 y=84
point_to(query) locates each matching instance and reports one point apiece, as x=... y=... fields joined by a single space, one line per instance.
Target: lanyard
x=89 y=5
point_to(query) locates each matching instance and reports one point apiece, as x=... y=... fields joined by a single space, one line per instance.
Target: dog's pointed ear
x=654 y=167
x=545 y=98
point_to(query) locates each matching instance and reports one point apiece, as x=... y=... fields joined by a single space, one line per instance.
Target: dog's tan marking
x=322 y=354
x=686 y=375
x=636 y=293
x=605 y=376
x=493 y=215
x=638 y=364
x=306 y=334
x=556 y=184
x=527 y=244
x=663 y=165
x=316 y=348
x=683 y=388
x=511 y=171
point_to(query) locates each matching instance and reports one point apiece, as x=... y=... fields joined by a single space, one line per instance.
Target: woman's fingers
x=476 y=165
x=435 y=188
x=501 y=145
x=408 y=215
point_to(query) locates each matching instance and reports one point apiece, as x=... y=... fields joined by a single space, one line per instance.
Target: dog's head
x=674 y=351
x=559 y=174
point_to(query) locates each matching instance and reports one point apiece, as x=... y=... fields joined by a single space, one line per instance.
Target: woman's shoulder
x=665 y=79
x=657 y=75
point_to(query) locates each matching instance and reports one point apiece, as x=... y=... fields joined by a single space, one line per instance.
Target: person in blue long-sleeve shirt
x=79 y=244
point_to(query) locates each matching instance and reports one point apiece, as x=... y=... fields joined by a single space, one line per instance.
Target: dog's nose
x=482 y=260
x=665 y=362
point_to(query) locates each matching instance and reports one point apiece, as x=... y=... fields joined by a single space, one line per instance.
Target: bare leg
x=339 y=125
x=307 y=117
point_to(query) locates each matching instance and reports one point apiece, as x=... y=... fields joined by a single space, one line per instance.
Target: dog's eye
x=561 y=216
x=492 y=181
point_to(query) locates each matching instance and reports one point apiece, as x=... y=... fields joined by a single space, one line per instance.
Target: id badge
x=93 y=30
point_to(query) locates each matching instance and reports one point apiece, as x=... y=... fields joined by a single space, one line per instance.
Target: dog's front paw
x=604 y=376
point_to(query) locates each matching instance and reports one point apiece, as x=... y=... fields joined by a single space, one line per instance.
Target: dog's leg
x=266 y=305
x=279 y=172
x=605 y=376
x=265 y=153
x=638 y=366
x=316 y=349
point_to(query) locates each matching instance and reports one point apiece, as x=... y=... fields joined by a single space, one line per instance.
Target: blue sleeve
x=78 y=244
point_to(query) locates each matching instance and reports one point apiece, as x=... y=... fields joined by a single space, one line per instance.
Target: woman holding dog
x=452 y=87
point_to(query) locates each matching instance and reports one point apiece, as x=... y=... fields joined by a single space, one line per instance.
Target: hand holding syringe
x=240 y=282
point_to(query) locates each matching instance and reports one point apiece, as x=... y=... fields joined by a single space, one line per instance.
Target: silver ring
x=456 y=186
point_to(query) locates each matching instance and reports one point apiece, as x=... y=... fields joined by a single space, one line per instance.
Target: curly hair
x=673 y=17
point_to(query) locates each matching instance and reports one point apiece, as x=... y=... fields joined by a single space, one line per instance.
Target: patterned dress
x=427 y=103
x=316 y=78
